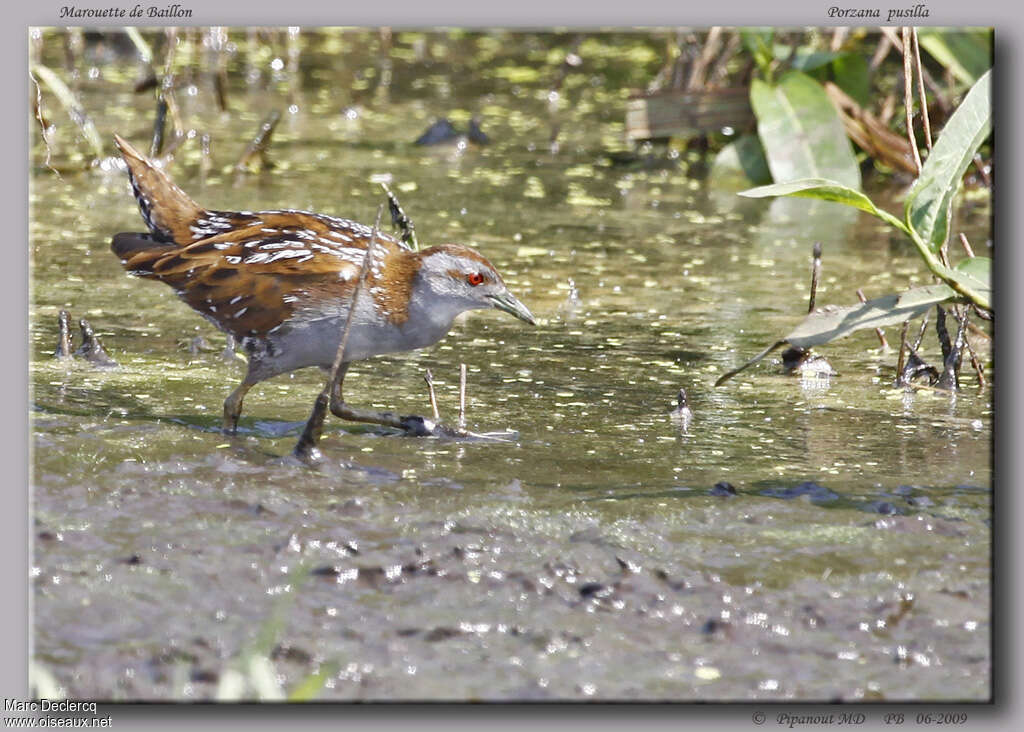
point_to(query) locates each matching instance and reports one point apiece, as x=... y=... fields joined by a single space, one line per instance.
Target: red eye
x=474 y=278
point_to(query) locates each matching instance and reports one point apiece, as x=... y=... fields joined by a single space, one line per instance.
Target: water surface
x=547 y=566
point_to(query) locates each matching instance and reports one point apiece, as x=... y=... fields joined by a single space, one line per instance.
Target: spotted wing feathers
x=249 y=272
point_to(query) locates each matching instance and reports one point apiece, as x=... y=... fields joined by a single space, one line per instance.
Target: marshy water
x=589 y=557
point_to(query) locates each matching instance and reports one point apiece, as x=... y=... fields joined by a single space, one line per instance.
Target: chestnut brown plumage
x=281 y=282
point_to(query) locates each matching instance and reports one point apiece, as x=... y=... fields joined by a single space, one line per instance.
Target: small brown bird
x=281 y=283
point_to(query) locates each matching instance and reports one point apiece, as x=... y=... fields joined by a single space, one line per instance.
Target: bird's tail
x=139 y=253
x=172 y=217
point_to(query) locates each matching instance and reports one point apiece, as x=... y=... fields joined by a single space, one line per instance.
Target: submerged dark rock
x=815 y=492
x=443 y=132
x=723 y=488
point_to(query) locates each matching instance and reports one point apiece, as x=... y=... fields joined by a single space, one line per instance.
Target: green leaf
x=832 y=323
x=853 y=77
x=930 y=200
x=745 y=157
x=801 y=132
x=826 y=190
x=973 y=278
x=980 y=268
x=758 y=41
x=804 y=58
x=966 y=53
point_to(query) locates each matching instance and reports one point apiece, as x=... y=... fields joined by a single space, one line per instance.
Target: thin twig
x=885 y=45
x=966 y=244
x=900 y=361
x=429 y=378
x=159 y=126
x=718 y=69
x=462 y=397
x=920 y=335
x=944 y=253
x=205 y=162
x=815 y=274
x=167 y=83
x=878 y=331
x=306 y=446
x=894 y=40
x=218 y=40
x=42 y=125
x=975 y=362
x=908 y=98
x=367 y=260
x=72 y=105
x=979 y=165
x=942 y=332
x=260 y=143
x=698 y=72
x=920 y=91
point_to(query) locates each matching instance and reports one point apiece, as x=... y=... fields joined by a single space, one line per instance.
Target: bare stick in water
x=920 y=91
x=260 y=143
x=878 y=331
x=306 y=448
x=900 y=363
x=966 y=244
x=815 y=275
x=429 y=378
x=462 y=397
x=908 y=98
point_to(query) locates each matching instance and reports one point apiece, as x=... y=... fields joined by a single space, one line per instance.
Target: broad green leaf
x=967 y=53
x=825 y=190
x=930 y=199
x=801 y=132
x=853 y=77
x=832 y=323
x=829 y=324
x=744 y=157
x=980 y=268
x=973 y=278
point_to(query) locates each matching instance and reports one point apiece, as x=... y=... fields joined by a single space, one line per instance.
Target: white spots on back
x=337 y=235
x=212 y=224
x=303 y=255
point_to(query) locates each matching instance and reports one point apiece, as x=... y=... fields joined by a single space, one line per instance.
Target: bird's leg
x=233 y=404
x=411 y=424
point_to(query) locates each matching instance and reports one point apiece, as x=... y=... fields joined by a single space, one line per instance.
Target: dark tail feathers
x=139 y=252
